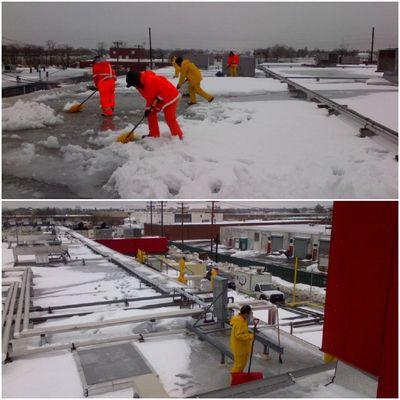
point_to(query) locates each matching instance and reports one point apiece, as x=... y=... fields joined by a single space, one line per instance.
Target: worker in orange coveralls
x=160 y=95
x=104 y=79
x=233 y=63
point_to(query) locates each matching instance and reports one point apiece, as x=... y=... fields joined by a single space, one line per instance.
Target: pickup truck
x=265 y=291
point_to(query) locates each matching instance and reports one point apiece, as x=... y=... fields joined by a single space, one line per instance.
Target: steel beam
x=107 y=323
x=27 y=300
x=9 y=321
x=21 y=301
x=192 y=297
x=209 y=339
x=262 y=387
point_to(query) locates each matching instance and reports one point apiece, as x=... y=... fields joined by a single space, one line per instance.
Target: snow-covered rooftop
x=253 y=141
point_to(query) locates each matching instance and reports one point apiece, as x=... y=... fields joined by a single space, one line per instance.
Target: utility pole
x=151 y=218
x=371 y=58
x=162 y=218
x=117 y=44
x=216 y=247
x=182 y=224
x=151 y=51
x=212 y=225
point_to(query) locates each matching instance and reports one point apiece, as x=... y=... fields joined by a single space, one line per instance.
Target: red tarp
x=360 y=325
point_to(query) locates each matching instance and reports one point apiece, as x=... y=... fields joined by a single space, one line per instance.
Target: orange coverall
x=161 y=95
x=233 y=62
x=104 y=79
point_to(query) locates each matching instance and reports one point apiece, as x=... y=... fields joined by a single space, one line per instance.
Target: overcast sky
x=237 y=26
x=141 y=204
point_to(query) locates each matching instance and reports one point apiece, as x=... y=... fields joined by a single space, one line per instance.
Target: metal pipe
x=41 y=318
x=45 y=349
x=189 y=296
x=99 y=303
x=107 y=323
x=21 y=302
x=7 y=303
x=9 y=321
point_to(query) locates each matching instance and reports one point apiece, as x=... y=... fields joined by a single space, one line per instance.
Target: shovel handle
x=133 y=129
x=87 y=98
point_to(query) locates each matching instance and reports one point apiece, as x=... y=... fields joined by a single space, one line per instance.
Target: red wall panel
x=360 y=313
x=130 y=246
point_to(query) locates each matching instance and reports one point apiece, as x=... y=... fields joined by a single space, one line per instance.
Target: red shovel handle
x=255 y=322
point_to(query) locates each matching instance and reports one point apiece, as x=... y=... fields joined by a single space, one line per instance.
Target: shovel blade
x=242 y=377
x=126 y=137
x=76 y=108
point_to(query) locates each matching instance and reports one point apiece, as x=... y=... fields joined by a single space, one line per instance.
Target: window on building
x=256 y=237
x=186 y=218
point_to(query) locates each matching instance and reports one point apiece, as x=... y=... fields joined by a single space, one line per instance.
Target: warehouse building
x=305 y=241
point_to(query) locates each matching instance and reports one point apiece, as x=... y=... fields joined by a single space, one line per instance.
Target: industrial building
x=305 y=241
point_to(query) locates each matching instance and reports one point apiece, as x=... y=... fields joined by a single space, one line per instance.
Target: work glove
x=91 y=87
x=178 y=87
x=147 y=112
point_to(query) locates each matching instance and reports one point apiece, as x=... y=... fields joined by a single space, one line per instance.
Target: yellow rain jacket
x=176 y=67
x=241 y=338
x=190 y=72
x=182 y=266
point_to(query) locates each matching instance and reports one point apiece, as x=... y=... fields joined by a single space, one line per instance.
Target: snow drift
x=27 y=115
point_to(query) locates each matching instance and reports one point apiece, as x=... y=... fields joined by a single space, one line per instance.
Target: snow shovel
x=79 y=107
x=255 y=321
x=127 y=136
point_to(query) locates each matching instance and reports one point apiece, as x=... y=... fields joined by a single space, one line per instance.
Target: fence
x=286 y=273
x=26 y=88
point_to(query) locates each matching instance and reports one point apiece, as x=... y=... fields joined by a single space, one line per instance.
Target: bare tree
x=51 y=46
x=66 y=51
x=101 y=48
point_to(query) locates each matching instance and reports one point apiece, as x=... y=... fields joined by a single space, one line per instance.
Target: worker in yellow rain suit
x=214 y=273
x=241 y=339
x=182 y=266
x=176 y=66
x=189 y=72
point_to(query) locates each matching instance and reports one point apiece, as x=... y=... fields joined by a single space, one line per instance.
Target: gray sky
x=141 y=204
x=237 y=26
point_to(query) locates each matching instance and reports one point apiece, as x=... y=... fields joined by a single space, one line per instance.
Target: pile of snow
x=302 y=290
x=28 y=115
x=51 y=143
x=313 y=268
x=247 y=253
x=49 y=96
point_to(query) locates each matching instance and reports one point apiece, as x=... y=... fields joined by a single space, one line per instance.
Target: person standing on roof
x=104 y=80
x=233 y=63
x=189 y=72
x=176 y=67
x=241 y=339
x=160 y=95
